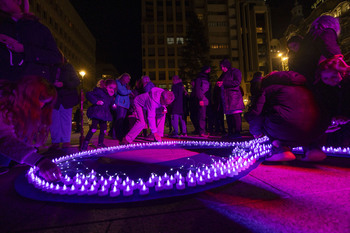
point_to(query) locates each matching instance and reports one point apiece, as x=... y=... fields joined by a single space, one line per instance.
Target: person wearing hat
x=154 y=102
x=27 y=47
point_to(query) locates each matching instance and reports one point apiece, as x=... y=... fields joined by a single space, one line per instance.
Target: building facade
x=72 y=36
x=239 y=30
x=163 y=36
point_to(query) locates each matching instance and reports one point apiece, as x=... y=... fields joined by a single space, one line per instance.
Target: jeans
x=61 y=127
x=141 y=123
x=175 y=118
x=93 y=129
x=119 y=125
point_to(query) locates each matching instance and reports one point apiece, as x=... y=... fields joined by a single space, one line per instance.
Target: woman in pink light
x=25 y=119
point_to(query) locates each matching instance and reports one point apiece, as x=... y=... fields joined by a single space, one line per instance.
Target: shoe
x=101 y=145
x=84 y=146
x=314 y=155
x=280 y=153
x=202 y=135
x=4 y=170
x=124 y=142
x=184 y=135
x=66 y=145
x=173 y=135
x=54 y=146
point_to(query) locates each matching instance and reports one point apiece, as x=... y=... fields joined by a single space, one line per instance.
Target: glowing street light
x=82 y=73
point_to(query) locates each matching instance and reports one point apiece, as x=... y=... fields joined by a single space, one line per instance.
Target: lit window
x=180 y=40
x=170 y=40
x=259 y=30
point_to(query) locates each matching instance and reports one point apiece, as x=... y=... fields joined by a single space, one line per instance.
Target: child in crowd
x=102 y=99
x=25 y=119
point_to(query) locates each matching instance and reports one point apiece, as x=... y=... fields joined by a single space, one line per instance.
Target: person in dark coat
x=285 y=111
x=177 y=107
x=320 y=44
x=232 y=97
x=202 y=87
x=193 y=108
x=27 y=47
x=218 y=109
x=122 y=100
x=66 y=83
x=102 y=99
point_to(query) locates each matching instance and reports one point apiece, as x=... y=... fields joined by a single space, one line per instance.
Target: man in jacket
x=154 y=102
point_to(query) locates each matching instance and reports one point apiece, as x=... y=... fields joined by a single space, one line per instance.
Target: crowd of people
x=38 y=90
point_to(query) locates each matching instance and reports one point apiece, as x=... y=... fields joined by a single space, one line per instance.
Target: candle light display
x=92 y=183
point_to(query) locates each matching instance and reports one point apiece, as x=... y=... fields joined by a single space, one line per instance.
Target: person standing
x=122 y=100
x=202 y=87
x=66 y=83
x=102 y=99
x=27 y=47
x=177 y=107
x=218 y=109
x=231 y=97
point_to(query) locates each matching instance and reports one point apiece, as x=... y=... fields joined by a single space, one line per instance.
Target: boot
x=54 y=146
x=84 y=146
x=101 y=145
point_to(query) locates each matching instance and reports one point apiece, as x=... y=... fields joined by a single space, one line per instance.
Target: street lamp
x=81 y=139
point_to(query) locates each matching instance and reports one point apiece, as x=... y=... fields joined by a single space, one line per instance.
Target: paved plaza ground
x=283 y=197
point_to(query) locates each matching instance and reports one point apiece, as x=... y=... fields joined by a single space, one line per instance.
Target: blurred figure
x=147 y=87
x=218 y=109
x=154 y=102
x=66 y=83
x=293 y=45
x=25 y=118
x=320 y=43
x=231 y=97
x=194 y=109
x=102 y=99
x=177 y=107
x=255 y=86
x=202 y=87
x=147 y=84
x=122 y=100
x=27 y=47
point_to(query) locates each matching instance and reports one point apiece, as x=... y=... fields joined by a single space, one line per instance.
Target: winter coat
x=101 y=112
x=150 y=102
x=122 y=99
x=286 y=110
x=178 y=104
x=312 y=49
x=231 y=93
x=148 y=87
x=67 y=95
x=202 y=87
x=40 y=49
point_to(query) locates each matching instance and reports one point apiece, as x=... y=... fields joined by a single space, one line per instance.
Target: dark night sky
x=116 y=27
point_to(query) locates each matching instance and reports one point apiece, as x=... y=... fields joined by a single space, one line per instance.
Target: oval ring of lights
x=89 y=186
